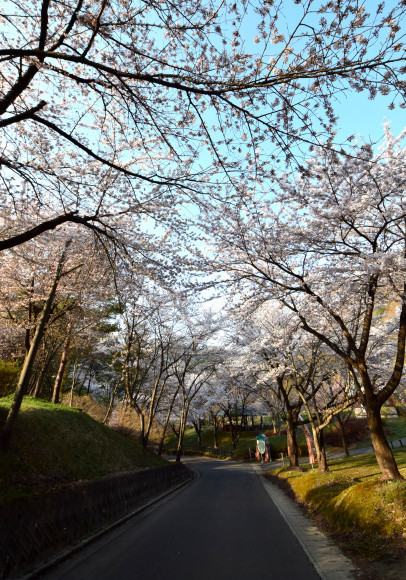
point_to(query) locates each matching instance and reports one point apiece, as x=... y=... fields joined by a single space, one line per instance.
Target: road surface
x=222 y=526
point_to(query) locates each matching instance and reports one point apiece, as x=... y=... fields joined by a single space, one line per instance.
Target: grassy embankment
x=366 y=516
x=362 y=512
x=54 y=444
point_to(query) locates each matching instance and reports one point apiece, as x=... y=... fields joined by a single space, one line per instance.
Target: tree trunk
x=341 y=425
x=61 y=370
x=142 y=429
x=48 y=357
x=198 y=428
x=215 y=430
x=321 y=452
x=293 y=450
x=73 y=383
x=181 y=434
x=25 y=374
x=383 y=452
x=110 y=405
x=235 y=432
x=168 y=416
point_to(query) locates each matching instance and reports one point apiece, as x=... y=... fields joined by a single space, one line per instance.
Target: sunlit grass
x=354 y=500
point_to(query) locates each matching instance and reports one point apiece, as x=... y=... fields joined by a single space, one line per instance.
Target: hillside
x=54 y=444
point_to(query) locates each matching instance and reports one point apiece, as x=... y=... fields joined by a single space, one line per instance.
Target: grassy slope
x=352 y=500
x=54 y=444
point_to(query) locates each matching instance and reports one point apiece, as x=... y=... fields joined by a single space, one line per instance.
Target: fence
x=33 y=530
x=396 y=443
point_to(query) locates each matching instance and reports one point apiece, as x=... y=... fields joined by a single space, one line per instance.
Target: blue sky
x=359 y=115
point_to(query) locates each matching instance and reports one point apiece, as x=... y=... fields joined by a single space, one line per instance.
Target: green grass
x=395 y=428
x=54 y=444
x=355 y=502
x=247 y=441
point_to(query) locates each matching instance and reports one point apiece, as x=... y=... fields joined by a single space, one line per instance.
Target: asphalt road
x=222 y=526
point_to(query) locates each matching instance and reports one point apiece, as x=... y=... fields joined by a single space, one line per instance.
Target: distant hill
x=54 y=445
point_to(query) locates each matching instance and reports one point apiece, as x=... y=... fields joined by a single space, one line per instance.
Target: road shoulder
x=328 y=560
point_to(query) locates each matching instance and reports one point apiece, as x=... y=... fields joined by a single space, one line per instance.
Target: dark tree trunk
x=143 y=440
x=293 y=449
x=235 y=430
x=383 y=452
x=198 y=428
x=110 y=405
x=215 y=430
x=341 y=426
x=61 y=370
x=182 y=428
x=168 y=416
x=321 y=452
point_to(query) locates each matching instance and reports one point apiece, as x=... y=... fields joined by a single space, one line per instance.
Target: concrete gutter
x=328 y=560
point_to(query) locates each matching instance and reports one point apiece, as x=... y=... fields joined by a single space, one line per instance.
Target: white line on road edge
x=327 y=559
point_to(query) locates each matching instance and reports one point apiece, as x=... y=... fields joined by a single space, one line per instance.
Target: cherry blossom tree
x=194 y=368
x=330 y=246
x=113 y=108
x=30 y=357
x=317 y=378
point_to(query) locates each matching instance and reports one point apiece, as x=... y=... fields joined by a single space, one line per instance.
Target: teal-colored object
x=261 y=443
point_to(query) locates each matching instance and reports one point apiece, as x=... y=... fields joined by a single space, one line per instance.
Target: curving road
x=222 y=526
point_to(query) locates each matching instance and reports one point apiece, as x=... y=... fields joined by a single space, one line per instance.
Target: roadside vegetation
x=356 y=430
x=365 y=515
x=55 y=445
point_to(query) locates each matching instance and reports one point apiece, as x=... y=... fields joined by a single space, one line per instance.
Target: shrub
x=9 y=373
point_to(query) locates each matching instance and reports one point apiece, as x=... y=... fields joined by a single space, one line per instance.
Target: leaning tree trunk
x=165 y=427
x=61 y=370
x=30 y=357
x=110 y=405
x=383 y=452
